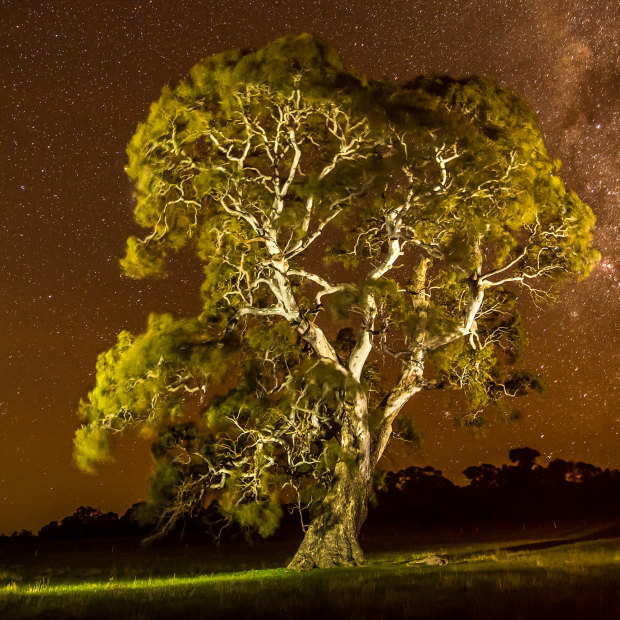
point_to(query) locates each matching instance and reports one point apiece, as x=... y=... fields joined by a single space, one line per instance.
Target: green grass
x=481 y=580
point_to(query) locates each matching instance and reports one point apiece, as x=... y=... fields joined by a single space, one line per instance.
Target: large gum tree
x=361 y=242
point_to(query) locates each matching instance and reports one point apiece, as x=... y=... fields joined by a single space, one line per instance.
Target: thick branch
x=364 y=343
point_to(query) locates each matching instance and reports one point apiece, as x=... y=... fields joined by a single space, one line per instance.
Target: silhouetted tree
x=51 y=531
x=523 y=457
x=484 y=475
x=559 y=470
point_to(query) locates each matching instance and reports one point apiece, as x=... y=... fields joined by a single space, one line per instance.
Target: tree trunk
x=332 y=537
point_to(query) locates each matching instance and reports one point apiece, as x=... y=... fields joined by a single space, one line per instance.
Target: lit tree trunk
x=332 y=537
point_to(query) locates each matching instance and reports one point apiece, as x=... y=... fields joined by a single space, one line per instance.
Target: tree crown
x=361 y=241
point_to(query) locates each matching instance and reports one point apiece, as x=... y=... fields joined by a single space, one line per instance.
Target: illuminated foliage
x=411 y=212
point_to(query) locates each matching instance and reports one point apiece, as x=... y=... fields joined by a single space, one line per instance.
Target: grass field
x=568 y=575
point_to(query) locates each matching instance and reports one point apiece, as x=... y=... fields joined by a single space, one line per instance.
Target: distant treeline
x=524 y=492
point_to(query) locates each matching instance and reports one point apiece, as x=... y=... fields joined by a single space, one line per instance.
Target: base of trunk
x=332 y=538
x=328 y=548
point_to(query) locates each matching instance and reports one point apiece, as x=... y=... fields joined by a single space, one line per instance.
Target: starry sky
x=77 y=77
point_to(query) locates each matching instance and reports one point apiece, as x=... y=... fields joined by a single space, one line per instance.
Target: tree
x=484 y=475
x=362 y=241
x=525 y=458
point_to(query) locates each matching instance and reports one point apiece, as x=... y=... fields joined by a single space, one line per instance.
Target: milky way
x=77 y=78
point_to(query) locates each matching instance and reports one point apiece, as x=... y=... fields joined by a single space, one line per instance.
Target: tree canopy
x=362 y=241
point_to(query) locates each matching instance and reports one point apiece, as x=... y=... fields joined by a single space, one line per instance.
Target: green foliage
x=92 y=447
x=485 y=371
x=269 y=163
x=162 y=484
x=264 y=517
x=406 y=429
x=141 y=260
x=145 y=378
x=179 y=173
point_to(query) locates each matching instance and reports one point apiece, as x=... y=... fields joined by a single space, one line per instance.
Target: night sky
x=77 y=77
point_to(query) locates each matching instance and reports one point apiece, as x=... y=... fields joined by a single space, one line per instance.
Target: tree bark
x=332 y=537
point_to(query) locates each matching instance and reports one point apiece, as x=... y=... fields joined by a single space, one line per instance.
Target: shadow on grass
x=609 y=532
